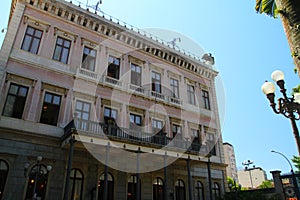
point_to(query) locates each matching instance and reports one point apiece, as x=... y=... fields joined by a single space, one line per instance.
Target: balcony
x=115 y=133
x=87 y=73
x=175 y=101
x=112 y=81
x=157 y=95
x=136 y=89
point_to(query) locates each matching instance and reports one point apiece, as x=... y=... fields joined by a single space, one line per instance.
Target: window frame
x=83 y=123
x=4 y=177
x=178 y=127
x=61 y=52
x=156 y=83
x=31 y=40
x=191 y=94
x=135 y=116
x=206 y=99
x=59 y=110
x=17 y=97
x=89 y=57
x=73 y=182
x=174 y=94
x=139 y=74
x=110 y=117
x=114 y=65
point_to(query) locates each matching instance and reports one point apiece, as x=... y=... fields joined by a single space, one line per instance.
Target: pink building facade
x=92 y=109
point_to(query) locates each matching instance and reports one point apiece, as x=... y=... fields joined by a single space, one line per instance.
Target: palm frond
x=268 y=7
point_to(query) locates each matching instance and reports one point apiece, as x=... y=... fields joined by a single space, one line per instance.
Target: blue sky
x=247 y=48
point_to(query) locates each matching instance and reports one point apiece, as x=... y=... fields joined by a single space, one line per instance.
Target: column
x=189 y=178
x=106 y=172
x=165 y=177
x=67 y=183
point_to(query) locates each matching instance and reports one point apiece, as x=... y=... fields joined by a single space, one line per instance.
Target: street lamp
x=288 y=107
x=38 y=170
x=247 y=167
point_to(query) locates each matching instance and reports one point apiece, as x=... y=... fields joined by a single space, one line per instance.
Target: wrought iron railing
x=114 y=132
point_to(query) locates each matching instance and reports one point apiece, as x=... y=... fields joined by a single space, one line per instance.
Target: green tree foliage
x=296 y=161
x=266 y=184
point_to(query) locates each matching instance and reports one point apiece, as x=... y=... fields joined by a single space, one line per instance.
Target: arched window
x=199 y=191
x=3 y=176
x=76 y=184
x=180 y=190
x=158 y=189
x=37 y=182
x=216 y=191
x=131 y=188
x=110 y=187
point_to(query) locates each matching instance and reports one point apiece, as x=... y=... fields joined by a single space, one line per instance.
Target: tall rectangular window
x=62 y=50
x=191 y=94
x=205 y=98
x=83 y=113
x=15 y=101
x=32 y=40
x=136 y=74
x=110 y=115
x=196 y=136
x=174 y=88
x=176 y=129
x=113 y=69
x=156 y=82
x=89 y=59
x=50 y=110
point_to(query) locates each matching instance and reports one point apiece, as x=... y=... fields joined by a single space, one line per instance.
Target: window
x=15 y=101
x=32 y=40
x=110 y=187
x=199 y=191
x=3 y=176
x=176 y=129
x=216 y=191
x=136 y=74
x=156 y=82
x=76 y=184
x=191 y=94
x=50 y=110
x=38 y=173
x=113 y=69
x=62 y=50
x=89 y=59
x=131 y=188
x=158 y=189
x=196 y=136
x=135 y=119
x=157 y=126
x=211 y=144
x=179 y=190
x=110 y=115
x=83 y=113
x=205 y=96
x=174 y=88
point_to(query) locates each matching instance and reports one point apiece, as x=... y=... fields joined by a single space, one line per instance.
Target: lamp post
x=287 y=106
x=247 y=167
x=293 y=174
x=39 y=172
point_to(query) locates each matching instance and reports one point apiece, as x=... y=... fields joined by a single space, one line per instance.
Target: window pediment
x=36 y=23
x=65 y=34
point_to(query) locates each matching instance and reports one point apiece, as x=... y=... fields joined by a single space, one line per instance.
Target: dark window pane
x=51 y=107
x=15 y=101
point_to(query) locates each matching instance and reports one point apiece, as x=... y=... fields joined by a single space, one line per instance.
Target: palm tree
x=289 y=12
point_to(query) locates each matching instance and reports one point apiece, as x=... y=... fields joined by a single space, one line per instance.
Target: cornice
x=121 y=32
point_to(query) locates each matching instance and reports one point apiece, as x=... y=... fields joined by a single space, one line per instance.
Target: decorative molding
x=89 y=43
x=65 y=34
x=36 y=23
